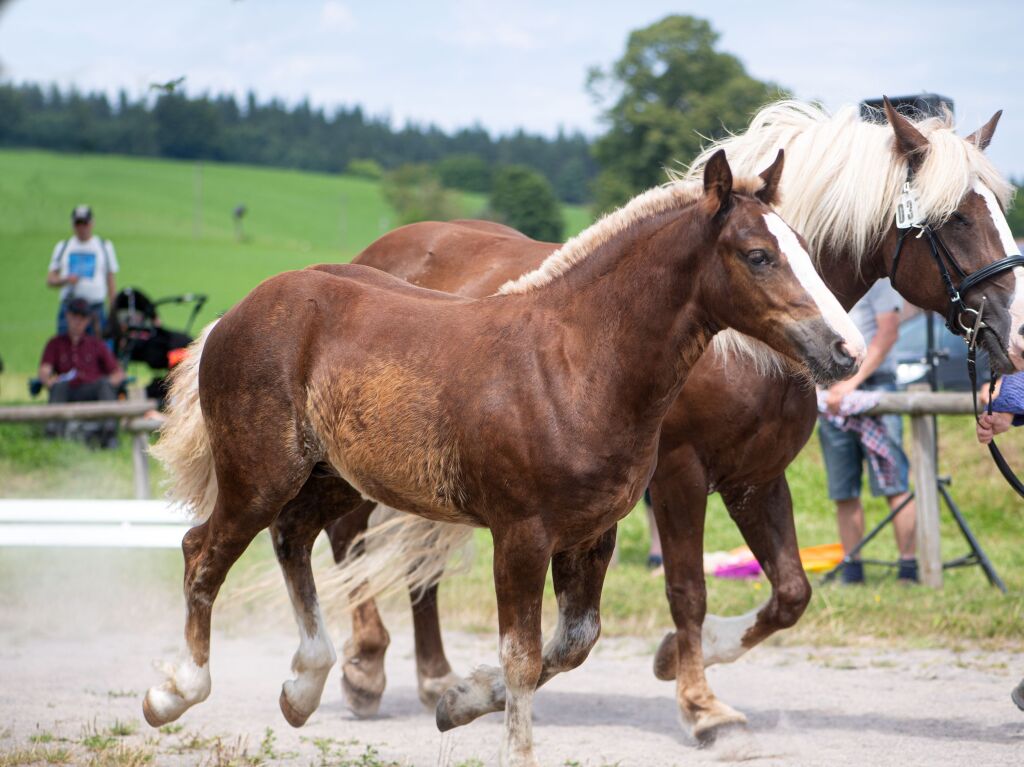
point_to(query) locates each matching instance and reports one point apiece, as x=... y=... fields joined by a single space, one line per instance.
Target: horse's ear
x=983 y=136
x=910 y=142
x=772 y=175
x=718 y=182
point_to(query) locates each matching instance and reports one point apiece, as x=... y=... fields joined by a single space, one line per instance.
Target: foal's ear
x=772 y=175
x=910 y=142
x=718 y=182
x=983 y=136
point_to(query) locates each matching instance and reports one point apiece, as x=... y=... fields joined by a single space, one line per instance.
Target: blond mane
x=674 y=195
x=842 y=180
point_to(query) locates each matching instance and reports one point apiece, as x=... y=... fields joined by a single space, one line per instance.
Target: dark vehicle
x=910 y=351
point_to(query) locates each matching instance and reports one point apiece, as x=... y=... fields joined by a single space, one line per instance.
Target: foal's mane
x=675 y=195
x=842 y=181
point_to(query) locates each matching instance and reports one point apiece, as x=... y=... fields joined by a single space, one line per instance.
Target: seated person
x=78 y=368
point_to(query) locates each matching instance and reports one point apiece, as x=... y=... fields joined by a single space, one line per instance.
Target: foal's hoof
x=161 y=706
x=292 y=715
x=432 y=688
x=715 y=725
x=665 y=659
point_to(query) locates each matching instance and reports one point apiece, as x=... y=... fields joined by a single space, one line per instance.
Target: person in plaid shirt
x=877 y=316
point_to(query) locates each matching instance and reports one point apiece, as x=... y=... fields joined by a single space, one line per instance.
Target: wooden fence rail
x=130 y=410
x=919 y=405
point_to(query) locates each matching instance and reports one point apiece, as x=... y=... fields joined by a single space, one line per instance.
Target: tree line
x=179 y=126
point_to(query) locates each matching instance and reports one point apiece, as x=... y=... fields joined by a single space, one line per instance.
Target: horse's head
x=766 y=286
x=950 y=226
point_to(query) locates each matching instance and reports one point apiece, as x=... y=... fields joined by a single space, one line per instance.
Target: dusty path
x=806 y=706
x=79 y=632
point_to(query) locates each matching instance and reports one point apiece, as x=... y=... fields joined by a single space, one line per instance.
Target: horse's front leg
x=764 y=515
x=521 y=557
x=578 y=576
x=679 y=496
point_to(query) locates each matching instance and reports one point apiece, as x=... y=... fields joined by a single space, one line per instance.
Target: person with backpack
x=83 y=267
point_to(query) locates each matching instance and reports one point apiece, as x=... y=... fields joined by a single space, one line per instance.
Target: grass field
x=171 y=223
x=148 y=207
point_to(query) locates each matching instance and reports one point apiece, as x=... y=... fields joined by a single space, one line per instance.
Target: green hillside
x=171 y=223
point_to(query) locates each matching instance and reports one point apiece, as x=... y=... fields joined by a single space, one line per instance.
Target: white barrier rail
x=91 y=523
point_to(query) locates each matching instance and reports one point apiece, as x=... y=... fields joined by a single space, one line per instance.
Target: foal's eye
x=961 y=219
x=758 y=257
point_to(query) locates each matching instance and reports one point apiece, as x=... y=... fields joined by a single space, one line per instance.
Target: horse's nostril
x=841 y=354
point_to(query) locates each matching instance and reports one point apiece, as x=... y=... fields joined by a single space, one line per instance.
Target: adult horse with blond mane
x=741 y=417
x=534 y=413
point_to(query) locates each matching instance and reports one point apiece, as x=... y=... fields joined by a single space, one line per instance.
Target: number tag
x=908 y=213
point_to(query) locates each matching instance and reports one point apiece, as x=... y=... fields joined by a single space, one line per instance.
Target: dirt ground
x=75 y=662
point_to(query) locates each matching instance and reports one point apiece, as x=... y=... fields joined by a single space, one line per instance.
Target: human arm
x=54 y=278
x=112 y=269
x=882 y=342
x=48 y=366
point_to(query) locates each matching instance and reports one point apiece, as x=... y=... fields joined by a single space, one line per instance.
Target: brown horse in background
x=741 y=418
x=535 y=413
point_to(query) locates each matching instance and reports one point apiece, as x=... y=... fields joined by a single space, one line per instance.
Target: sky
x=523 y=64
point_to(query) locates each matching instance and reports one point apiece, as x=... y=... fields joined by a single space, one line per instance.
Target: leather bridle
x=957 y=311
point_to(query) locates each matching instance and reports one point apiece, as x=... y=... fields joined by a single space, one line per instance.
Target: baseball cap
x=79 y=306
x=81 y=213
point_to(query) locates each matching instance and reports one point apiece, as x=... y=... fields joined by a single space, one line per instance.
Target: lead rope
x=997 y=456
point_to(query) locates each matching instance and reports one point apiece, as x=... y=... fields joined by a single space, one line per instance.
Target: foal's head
x=763 y=282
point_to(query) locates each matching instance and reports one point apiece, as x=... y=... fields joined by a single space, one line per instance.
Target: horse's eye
x=758 y=257
x=960 y=218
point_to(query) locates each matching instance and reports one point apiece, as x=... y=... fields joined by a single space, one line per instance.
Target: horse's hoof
x=713 y=726
x=293 y=716
x=360 y=701
x=432 y=688
x=161 y=706
x=443 y=713
x=665 y=660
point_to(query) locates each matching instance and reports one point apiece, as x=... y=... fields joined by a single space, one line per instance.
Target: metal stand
x=976 y=555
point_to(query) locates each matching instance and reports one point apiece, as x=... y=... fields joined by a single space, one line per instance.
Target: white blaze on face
x=1016 y=309
x=802 y=266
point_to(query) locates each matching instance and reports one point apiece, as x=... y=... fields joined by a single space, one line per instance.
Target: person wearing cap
x=83 y=266
x=77 y=367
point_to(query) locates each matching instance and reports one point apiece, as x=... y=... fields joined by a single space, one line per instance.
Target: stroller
x=138 y=335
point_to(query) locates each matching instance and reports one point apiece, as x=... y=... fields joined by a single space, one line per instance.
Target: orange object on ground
x=820 y=558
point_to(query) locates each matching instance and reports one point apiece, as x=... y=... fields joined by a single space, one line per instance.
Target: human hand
x=71 y=279
x=991 y=425
x=836 y=392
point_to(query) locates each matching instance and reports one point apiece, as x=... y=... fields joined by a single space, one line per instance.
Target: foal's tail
x=397 y=552
x=184 y=444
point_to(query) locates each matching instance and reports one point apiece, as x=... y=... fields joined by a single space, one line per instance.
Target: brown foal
x=535 y=413
x=733 y=428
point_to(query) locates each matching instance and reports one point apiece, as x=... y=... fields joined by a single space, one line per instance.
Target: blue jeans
x=845 y=457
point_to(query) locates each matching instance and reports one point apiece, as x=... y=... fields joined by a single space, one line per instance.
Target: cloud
x=336 y=15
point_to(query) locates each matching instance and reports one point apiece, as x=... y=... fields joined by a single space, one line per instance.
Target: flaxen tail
x=397 y=552
x=184 y=444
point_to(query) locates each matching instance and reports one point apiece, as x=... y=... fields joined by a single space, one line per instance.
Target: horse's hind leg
x=362 y=665
x=210 y=549
x=578 y=576
x=294 y=532
x=434 y=674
